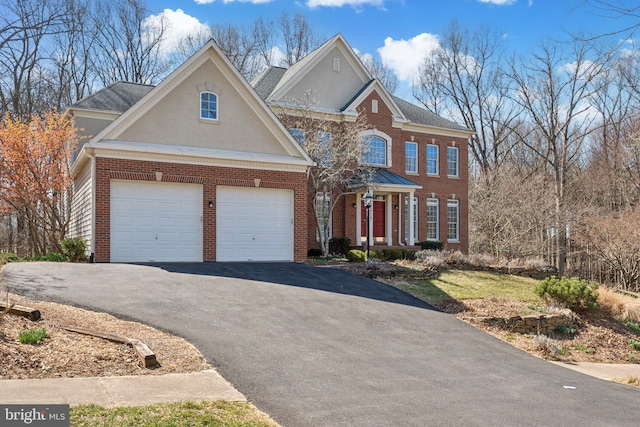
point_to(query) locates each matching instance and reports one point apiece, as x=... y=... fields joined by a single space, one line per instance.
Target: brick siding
x=210 y=177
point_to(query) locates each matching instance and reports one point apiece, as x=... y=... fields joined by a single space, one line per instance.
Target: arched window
x=376 y=150
x=208 y=106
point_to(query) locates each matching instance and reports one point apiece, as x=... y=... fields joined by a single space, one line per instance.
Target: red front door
x=378 y=217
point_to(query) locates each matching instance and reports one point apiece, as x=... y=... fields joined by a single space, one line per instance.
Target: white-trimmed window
x=452 y=161
x=376 y=150
x=298 y=135
x=323 y=212
x=432 y=219
x=432 y=159
x=411 y=157
x=406 y=219
x=453 y=221
x=208 y=106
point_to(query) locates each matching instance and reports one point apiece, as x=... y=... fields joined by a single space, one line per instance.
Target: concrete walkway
x=604 y=371
x=140 y=390
x=132 y=390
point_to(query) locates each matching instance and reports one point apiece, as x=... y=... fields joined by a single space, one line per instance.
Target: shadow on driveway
x=299 y=275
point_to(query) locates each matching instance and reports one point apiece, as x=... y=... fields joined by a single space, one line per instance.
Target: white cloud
x=178 y=26
x=404 y=57
x=204 y=1
x=339 y=3
x=501 y=2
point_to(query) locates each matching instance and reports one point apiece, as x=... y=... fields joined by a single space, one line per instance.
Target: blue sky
x=400 y=32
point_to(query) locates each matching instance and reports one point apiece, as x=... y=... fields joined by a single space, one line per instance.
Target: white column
x=400 y=225
x=372 y=240
x=411 y=232
x=359 y=220
x=389 y=219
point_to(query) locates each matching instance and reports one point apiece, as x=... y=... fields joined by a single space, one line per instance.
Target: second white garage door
x=154 y=221
x=254 y=224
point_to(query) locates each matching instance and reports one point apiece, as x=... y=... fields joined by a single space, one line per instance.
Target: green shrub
x=572 y=293
x=32 y=336
x=356 y=255
x=74 y=248
x=314 y=252
x=565 y=329
x=54 y=257
x=635 y=344
x=633 y=325
x=6 y=257
x=390 y=254
x=339 y=245
x=408 y=255
x=431 y=245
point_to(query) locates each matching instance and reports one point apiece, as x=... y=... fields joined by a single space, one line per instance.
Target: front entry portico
x=388 y=189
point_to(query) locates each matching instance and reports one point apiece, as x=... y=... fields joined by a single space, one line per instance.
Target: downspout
x=92 y=156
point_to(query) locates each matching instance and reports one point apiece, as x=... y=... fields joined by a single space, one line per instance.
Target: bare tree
x=339 y=153
x=376 y=68
x=72 y=77
x=615 y=241
x=25 y=26
x=464 y=79
x=553 y=89
x=298 y=37
x=508 y=212
x=125 y=48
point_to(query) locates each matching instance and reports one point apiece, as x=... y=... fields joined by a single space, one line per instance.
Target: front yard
x=593 y=336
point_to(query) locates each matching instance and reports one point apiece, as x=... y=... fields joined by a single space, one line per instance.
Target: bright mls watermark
x=34 y=415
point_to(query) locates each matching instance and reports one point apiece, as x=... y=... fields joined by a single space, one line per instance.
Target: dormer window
x=208 y=106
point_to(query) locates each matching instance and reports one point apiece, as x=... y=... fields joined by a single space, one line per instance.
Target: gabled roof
x=274 y=79
x=117 y=97
x=267 y=81
x=134 y=101
x=300 y=69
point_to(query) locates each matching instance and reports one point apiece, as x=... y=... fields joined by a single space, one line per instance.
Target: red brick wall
x=209 y=176
x=440 y=187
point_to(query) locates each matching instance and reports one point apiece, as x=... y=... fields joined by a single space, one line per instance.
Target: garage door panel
x=254 y=224
x=155 y=222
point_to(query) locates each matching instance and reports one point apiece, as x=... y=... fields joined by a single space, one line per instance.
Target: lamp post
x=368 y=202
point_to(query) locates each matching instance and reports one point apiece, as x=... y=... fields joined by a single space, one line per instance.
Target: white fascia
x=198 y=156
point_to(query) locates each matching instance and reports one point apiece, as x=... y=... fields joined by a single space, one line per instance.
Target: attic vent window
x=374 y=106
x=208 y=106
x=336 y=65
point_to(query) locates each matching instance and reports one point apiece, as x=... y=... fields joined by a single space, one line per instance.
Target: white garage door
x=155 y=221
x=254 y=224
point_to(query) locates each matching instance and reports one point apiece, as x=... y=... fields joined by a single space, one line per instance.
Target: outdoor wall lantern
x=368 y=202
x=210 y=203
x=355 y=205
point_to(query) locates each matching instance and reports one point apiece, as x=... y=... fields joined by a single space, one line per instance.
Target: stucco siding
x=175 y=119
x=80 y=221
x=330 y=89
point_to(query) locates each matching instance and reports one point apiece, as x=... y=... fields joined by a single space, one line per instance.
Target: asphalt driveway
x=320 y=347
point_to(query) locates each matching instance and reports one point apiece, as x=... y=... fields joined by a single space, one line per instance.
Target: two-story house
x=199 y=168
x=420 y=184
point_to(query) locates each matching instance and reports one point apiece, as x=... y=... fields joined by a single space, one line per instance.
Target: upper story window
x=432 y=159
x=208 y=106
x=377 y=151
x=452 y=161
x=411 y=157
